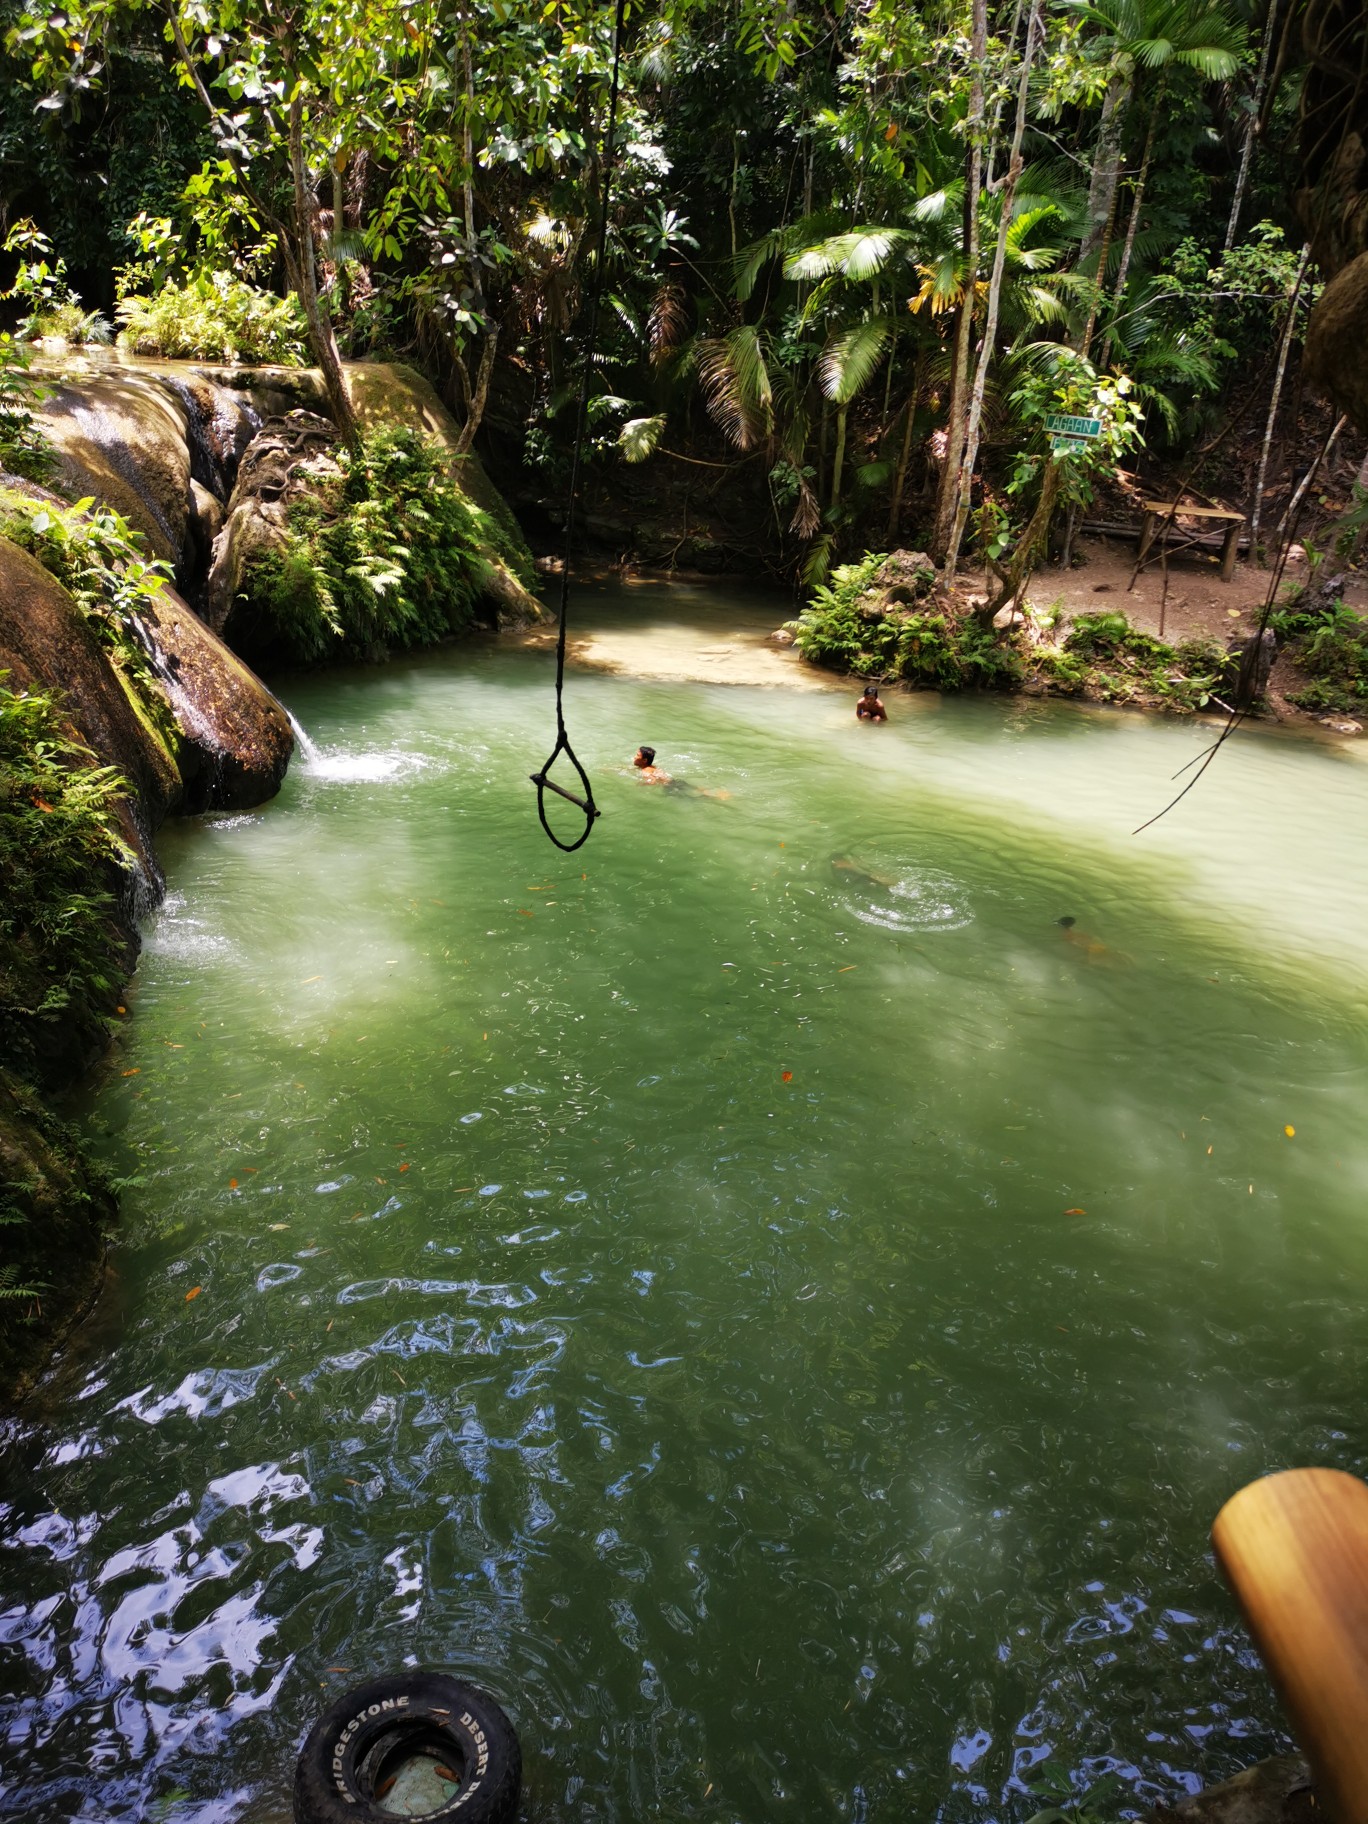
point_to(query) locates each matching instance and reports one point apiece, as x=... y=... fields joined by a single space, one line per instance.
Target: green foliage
x=848 y=627
x=1330 y=644
x=212 y=316
x=60 y=955
x=386 y=552
x=100 y=560
x=1105 y=656
x=54 y=309
x=24 y=450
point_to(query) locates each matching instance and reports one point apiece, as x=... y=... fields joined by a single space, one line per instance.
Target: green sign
x=1062 y=425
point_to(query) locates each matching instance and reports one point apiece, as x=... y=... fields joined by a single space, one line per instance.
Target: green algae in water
x=783 y=1330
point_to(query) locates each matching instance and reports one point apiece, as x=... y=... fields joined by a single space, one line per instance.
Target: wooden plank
x=1294 y=1548
x=1182 y=511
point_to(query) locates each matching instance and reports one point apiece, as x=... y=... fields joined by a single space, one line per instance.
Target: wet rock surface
x=1275 y=1791
x=46 y=643
x=288 y=455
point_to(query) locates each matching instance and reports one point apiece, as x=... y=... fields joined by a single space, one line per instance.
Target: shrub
x=384 y=552
x=1104 y=654
x=847 y=628
x=24 y=450
x=213 y=317
x=1331 y=646
x=60 y=953
x=100 y=560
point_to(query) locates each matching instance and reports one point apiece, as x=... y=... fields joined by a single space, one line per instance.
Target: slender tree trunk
x=322 y=341
x=971 y=434
x=991 y=174
x=1136 y=204
x=948 y=492
x=904 y=458
x=478 y=394
x=838 y=460
x=1030 y=547
x=1106 y=171
x=1286 y=344
x=1251 y=128
x=1103 y=253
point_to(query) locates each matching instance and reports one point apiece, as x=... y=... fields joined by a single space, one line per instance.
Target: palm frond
x=736 y=385
x=849 y=359
x=639 y=436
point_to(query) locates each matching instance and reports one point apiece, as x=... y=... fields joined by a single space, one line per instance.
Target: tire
x=356 y=1748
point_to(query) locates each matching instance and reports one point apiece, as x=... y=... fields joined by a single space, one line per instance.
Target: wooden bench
x=1161 y=512
x=1294 y=1548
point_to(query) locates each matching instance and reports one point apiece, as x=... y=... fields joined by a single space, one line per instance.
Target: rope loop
x=585 y=804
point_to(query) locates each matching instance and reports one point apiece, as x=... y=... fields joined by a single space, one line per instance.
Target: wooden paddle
x=1294 y=1548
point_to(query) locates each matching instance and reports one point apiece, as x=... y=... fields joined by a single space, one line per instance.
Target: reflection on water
x=784 y=1330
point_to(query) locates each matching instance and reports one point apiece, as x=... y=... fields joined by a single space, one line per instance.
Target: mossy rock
x=46 y=642
x=55 y=1208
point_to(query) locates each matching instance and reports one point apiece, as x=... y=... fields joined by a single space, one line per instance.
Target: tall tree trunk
x=947 y=494
x=1124 y=268
x=1106 y=171
x=895 y=499
x=971 y=435
x=1286 y=344
x=1251 y=128
x=838 y=460
x=322 y=341
x=479 y=393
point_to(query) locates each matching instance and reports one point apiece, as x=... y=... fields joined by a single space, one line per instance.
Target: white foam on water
x=924 y=901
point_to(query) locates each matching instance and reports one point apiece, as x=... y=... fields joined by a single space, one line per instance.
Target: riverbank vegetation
x=382 y=550
x=63 y=958
x=853 y=259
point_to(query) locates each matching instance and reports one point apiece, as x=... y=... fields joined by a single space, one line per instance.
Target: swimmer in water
x=869 y=708
x=1083 y=940
x=844 y=865
x=651 y=774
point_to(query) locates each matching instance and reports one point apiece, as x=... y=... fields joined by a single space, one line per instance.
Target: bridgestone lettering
x=369 y=1735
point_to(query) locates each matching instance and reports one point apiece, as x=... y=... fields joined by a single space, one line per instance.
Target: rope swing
x=541 y=780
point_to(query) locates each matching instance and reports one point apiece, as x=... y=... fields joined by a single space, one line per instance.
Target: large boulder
x=286 y=455
x=46 y=643
x=1336 y=339
x=388 y=393
x=235 y=736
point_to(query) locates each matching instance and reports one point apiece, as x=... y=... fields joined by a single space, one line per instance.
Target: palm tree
x=1141 y=38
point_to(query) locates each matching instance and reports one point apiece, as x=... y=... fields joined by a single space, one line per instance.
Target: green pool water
x=784 y=1328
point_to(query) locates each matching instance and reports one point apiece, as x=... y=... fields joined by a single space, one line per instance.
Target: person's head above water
x=644 y=756
x=871 y=690
x=1068 y=922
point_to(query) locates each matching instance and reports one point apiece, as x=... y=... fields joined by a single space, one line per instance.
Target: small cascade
x=308 y=748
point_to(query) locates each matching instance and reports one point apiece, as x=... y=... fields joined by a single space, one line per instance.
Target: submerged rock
x=1275 y=1791
x=58 y=1208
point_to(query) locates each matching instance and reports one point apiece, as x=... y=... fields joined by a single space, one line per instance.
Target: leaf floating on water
x=523 y=912
x=310 y=978
x=405 y=1166
x=232 y=1184
x=1075 y=1212
x=1209 y=1152
x=1291 y=1132
x=847 y=969
x=136 y=1072
x=278 y=1225
x=194 y=1292
x=787 y=1076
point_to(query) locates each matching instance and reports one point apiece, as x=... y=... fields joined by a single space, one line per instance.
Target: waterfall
x=308 y=751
